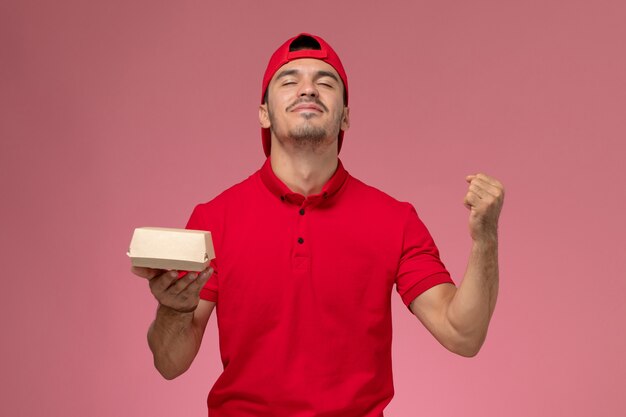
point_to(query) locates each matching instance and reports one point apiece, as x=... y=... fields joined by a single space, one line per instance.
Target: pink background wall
x=121 y=114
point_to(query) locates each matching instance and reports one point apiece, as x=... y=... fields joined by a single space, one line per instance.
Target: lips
x=307 y=107
x=304 y=104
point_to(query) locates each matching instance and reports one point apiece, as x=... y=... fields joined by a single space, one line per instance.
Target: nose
x=308 y=89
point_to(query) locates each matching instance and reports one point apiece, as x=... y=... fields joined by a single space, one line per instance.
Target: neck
x=304 y=172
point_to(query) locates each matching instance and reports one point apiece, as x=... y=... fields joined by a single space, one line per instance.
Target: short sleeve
x=420 y=267
x=199 y=221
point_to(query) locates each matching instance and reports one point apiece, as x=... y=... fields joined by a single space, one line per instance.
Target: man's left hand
x=484 y=199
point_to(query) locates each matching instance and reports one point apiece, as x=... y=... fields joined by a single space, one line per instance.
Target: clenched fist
x=484 y=199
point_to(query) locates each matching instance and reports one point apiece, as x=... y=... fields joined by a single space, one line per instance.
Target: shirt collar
x=280 y=190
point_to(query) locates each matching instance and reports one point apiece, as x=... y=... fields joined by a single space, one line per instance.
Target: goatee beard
x=308 y=135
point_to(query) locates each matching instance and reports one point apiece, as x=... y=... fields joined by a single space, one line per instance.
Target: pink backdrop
x=120 y=114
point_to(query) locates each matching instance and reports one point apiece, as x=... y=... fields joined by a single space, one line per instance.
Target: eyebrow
x=319 y=74
x=286 y=73
x=327 y=74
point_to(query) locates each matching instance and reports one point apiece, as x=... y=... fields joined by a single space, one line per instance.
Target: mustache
x=305 y=100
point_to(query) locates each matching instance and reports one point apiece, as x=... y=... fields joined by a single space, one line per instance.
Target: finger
x=495 y=189
x=187 y=290
x=147 y=273
x=202 y=279
x=476 y=189
x=489 y=179
x=484 y=177
x=192 y=282
x=486 y=188
x=163 y=282
x=471 y=199
x=182 y=283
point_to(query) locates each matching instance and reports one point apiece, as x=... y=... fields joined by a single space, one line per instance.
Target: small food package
x=165 y=248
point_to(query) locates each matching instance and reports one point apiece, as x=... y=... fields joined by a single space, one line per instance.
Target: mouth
x=306 y=108
x=310 y=106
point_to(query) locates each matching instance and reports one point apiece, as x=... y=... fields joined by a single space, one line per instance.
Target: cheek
x=335 y=101
x=280 y=98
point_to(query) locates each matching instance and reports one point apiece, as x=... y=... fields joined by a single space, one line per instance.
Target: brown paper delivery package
x=164 y=248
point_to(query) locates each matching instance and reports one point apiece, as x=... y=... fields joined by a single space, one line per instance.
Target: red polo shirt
x=303 y=288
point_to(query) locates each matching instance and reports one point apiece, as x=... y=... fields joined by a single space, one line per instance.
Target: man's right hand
x=179 y=294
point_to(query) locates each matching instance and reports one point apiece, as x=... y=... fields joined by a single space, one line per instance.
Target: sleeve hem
x=208 y=295
x=425 y=284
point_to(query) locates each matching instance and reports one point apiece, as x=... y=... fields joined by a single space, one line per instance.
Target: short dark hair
x=306 y=42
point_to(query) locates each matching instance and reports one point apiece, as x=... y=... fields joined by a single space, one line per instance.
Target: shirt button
x=302 y=212
x=282 y=198
x=300 y=240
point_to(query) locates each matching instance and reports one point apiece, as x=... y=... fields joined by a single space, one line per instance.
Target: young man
x=306 y=260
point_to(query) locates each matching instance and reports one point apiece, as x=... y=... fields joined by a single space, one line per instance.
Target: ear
x=264 y=117
x=345 y=120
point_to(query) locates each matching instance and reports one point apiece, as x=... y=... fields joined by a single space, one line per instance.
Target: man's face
x=305 y=104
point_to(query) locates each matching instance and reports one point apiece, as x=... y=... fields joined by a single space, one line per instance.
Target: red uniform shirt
x=303 y=288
